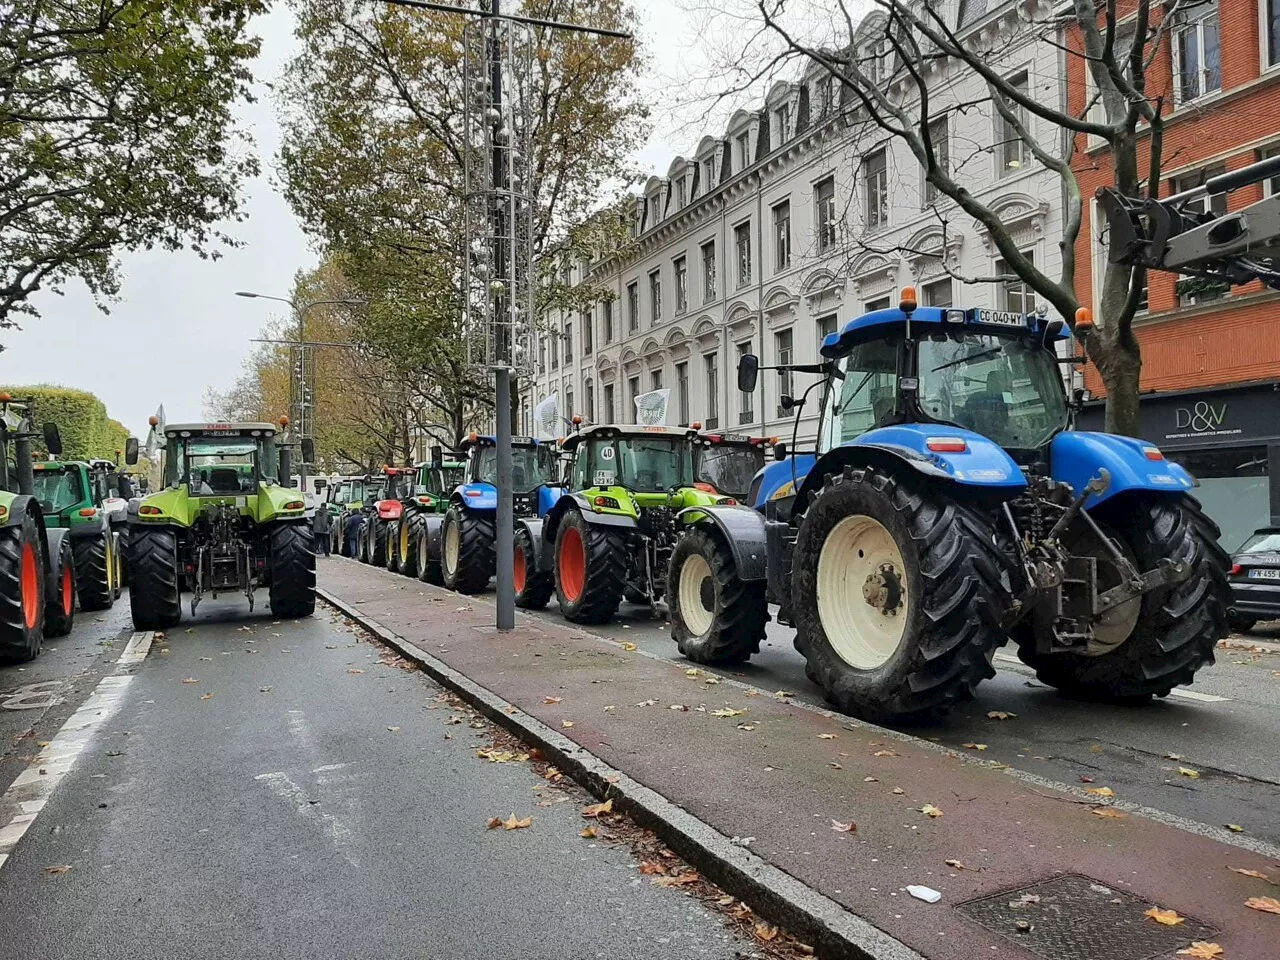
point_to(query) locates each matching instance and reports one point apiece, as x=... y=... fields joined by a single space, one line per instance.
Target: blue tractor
x=948 y=509
x=457 y=549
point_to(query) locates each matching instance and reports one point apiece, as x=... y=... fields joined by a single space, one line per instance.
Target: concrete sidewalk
x=754 y=765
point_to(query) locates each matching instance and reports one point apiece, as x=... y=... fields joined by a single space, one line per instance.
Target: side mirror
x=52 y=439
x=126 y=488
x=437 y=457
x=786 y=402
x=779 y=451
x=748 y=372
x=1077 y=397
x=308 y=450
x=131 y=451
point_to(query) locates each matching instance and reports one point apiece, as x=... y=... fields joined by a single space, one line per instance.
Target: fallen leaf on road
x=1084 y=779
x=596 y=809
x=1265 y=904
x=1169 y=918
x=56 y=870
x=1000 y=715
x=355 y=670
x=748 y=727
x=765 y=932
x=609 y=708
x=683 y=880
x=512 y=710
x=552 y=699
x=930 y=810
x=461 y=609
x=954 y=864
x=207 y=696
x=159 y=635
x=566 y=723
x=646 y=703
x=693 y=672
x=727 y=712
x=494 y=823
x=974 y=746
x=515 y=823
x=714 y=680
x=1249 y=873
x=1235 y=828
x=1109 y=813
x=679 y=706
x=454 y=719
x=629 y=646
x=833 y=765
x=191 y=680
x=839 y=827
x=394 y=729
x=885 y=753
x=331 y=646
x=741 y=911
x=649 y=868
x=725 y=901
x=1188 y=772
x=1202 y=950
x=826 y=736
x=898 y=790
x=1101 y=791
x=1173 y=756
x=783 y=695
x=589 y=833
x=210 y=659
x=264 y=689
x=1025 y=900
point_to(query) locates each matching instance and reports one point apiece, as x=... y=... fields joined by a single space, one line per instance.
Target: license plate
x=1004 y=318
x=1264 y=574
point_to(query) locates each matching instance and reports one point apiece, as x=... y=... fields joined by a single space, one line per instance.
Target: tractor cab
x=534 y=474
x=726 y=463
x=647 y=461
x=397 y=487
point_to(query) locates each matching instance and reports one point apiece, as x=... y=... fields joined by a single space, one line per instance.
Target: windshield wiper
x=989 y=352
x=835 y=410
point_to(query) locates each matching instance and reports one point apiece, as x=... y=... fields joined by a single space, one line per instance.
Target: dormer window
x=742 y=148
x=709 y=174
x=782 y=123
x=678 y=196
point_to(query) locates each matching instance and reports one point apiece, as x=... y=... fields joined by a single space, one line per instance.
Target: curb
x=832 y=930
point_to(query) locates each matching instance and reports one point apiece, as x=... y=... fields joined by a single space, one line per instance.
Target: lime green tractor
x=225 y=521
x=82 y=497
x=344 y=499
x=37 y=569
x=633 y=492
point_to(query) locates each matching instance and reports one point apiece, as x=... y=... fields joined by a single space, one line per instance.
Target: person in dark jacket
x=321 y=526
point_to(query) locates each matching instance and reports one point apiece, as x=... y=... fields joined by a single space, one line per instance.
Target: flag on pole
x=651 y=408
x=546 y=418
x=155 y=436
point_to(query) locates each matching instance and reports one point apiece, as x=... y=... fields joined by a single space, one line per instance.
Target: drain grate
x=1075 y=918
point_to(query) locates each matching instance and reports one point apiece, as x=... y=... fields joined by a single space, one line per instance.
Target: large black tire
x=60 y=611
x=377 y=541
x=590 y=568
x=1178 y=628
x=534 y=587
x=407 y=532
x=362 y=541
x=470 y=567
x=391 y=544
x=95 y=580
x=716 y=618
x=154 y=596
x=22 y=592
x=428 y=569
x=955 y=591
x=292 y=565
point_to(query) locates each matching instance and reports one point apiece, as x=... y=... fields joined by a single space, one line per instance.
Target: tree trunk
x=1120 y=365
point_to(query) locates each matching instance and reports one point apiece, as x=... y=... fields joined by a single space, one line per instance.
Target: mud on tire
x=534 y=587
x=94 y=579
x=292 y=563
x=475 y=559
x=1179 y=627
x=954 y=591
x=715 y=617
x=590 y=565
x=154 y=596
x=22 y=570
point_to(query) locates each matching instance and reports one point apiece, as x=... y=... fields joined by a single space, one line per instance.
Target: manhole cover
x=1075 y=918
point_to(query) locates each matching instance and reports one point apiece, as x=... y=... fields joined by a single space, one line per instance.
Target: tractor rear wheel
x=590 y=567
x=428 y=569
x=292 y=565
x=534 y=587
x=154 y=596
x=60 y=612
x=95 y=576
x=466 y=551
x=22 y=592
x=715 y=617
x=896 y=592
x=391 y=541
x=1175 y=631
x=377 y=540
x=407 y=545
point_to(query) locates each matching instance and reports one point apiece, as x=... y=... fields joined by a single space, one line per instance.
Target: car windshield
x=644 y=464
x=1264 y=541
x=1007 y=389
x=730 y=468
x=219 y=466
x=530 y=466
x=58 y=489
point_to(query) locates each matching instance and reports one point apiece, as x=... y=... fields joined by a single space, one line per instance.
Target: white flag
x=155 y=436
x=651 y=408
x=546 y=418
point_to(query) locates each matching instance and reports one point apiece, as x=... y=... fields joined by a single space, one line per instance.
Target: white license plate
x=1264 y=574
x=1005 y=318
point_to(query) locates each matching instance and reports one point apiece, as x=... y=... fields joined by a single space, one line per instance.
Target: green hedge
x=87 y=432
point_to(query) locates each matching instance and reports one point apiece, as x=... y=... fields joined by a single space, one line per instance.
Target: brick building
x=1211 y=354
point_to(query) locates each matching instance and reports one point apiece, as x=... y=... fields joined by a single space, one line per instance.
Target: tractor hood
x=176 y=505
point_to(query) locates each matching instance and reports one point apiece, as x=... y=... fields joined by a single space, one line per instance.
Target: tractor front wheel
x=292 y=566
x=22 y=592
x=95 y=576
x=715 y=617
x=60 y=612
x=1176 y=629
x=534 y=587
x=896 y=592
x=154 y=596
x=466 y=552
x=590 y=567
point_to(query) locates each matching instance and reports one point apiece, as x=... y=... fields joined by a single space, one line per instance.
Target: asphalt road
x=269 y=789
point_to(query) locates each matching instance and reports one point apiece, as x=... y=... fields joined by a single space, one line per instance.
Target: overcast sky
x=178 y=327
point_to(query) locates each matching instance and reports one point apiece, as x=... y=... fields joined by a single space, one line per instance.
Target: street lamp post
x=302 y=422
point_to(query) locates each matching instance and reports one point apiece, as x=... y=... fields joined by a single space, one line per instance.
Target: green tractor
x=37 y=568
x=226 y=520
x=83 y=498
x=433 y=484
x=344 y=499
x=634 y=490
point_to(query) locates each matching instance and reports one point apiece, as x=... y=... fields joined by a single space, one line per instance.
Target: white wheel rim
x=695 y=572
x=857 y=555
x=451 y=547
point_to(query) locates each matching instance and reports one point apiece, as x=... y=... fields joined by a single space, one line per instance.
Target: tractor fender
x=89 y=527
x=580 y=503
x=476 y=496
x=1134 y=465
x=22 y=505
x=541 y=556
x=743 y=530
x=432 y=526
x=53 y=563
x=390 y=509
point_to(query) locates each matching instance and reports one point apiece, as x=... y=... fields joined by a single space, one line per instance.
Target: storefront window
x=1234 y=489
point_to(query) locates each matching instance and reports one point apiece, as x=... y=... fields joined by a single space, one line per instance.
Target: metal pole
x=505 y=546
x=302 y=396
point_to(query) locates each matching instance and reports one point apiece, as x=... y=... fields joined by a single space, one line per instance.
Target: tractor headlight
x=607 y=503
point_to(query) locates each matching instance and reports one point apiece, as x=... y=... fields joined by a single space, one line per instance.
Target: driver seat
x=224 y=480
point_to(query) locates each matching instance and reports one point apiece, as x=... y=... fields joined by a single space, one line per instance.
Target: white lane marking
x=29 y=793
x=1179 y=692
x=331 y=827
x=34 y=696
